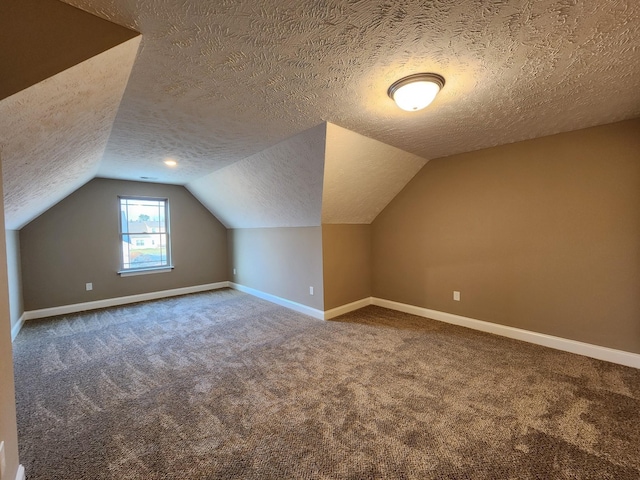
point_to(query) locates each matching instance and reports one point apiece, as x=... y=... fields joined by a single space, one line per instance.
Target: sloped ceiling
x=53 y=134
x=326 y=174
x=362 y=175
x=278 y=187
x=222 y=82
x=219 y=81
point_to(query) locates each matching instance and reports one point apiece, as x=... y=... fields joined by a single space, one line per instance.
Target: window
x=144 y=235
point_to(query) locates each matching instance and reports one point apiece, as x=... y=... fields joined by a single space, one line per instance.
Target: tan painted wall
x=346 y=260
x=542 y=235
x=284 y=262
x=40 y=38
x=76 y=242
x=8 y=428
x=14 y=274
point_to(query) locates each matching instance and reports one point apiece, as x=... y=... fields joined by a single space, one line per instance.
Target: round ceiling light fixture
x=417 y=91
x=170 y=162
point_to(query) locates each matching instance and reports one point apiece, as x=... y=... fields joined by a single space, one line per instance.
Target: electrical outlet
x=234 y=271
x=89 y=286
x=456 y=296
x=3 y=462
x=310 y=290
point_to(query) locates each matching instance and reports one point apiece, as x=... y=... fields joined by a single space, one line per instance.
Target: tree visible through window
x=144 y=233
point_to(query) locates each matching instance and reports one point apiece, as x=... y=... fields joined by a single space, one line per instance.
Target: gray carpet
x=222 y=385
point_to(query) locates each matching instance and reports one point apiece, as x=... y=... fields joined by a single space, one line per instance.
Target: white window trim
x=130 y=272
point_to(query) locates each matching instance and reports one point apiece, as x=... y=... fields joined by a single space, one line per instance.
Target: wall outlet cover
x=89 y=286
x=456 y=296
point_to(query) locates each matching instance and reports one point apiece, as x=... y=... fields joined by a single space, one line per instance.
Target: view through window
x=144 y=233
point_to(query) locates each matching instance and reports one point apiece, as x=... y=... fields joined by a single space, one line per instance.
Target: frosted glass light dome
x=416 y=92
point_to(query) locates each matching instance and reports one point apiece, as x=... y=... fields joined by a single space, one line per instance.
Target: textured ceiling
x=362 y=175
x=326 y=174
x=216 y=82
x=278 y=187
x=53 y=134
x=226 y=88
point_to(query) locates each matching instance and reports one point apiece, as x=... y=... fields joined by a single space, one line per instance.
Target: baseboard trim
x=15 y=330
x=112 y=302
x=586 y=349
x=573 y=346
x=20 y=475
x=298 y=307
x=349 y=307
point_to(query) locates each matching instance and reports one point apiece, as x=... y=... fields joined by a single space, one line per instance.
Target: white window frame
x=167 y=265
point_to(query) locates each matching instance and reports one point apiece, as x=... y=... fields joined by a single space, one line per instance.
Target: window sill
x=145 y=271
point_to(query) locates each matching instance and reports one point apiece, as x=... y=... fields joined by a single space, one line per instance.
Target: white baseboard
x=20 y=474
x=15 y=330
x=580 y=348
x=594 y=351
x=349 y=307
x=112 y=302
x=298 y=307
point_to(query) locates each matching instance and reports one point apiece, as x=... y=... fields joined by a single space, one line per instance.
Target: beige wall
x=542 y=235
x=14 y=273
x=8 y=429
x=346 y=260
x=284 y=262
x=45 y=37
x=76 y=242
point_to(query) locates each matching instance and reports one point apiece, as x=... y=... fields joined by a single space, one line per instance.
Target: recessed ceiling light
x=415 y=92
x=169 y=162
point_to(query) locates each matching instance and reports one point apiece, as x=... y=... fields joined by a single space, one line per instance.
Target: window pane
x=144 y=215
x=143 y=233
x=143 y=251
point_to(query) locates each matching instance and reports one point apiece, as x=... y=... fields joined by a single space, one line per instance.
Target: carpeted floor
x=222 y=385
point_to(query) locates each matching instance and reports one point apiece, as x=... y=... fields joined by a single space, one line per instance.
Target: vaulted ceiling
x=55 y=132
x=215 y=83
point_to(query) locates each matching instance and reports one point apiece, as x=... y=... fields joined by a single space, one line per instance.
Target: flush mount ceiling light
x=417 y=91
x=169 y=162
